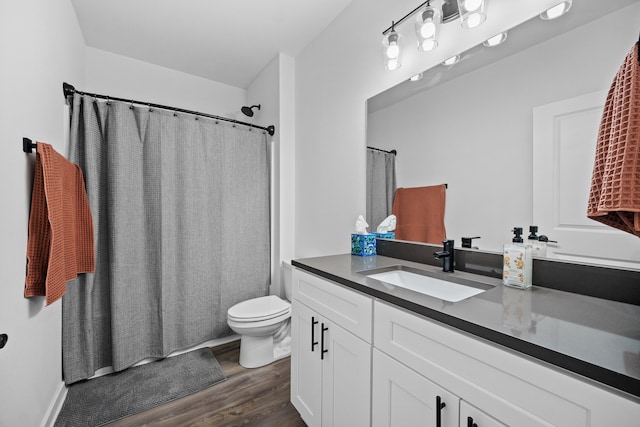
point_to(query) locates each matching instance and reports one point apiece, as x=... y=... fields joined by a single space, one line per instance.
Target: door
x=402 y=397
x=346 y=377
x=564 y=141
x=306 y=366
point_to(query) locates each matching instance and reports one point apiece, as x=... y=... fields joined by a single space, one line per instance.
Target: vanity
x=369 y=352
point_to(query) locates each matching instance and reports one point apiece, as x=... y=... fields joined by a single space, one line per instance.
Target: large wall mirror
x=512 y=131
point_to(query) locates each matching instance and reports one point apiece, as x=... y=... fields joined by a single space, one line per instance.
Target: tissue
x=384 y=230
x=363 y=243
x=361 y=225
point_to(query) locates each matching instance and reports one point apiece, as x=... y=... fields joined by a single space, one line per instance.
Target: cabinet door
x=306 y=366
x=470 y=416
x=346 y=377
x=402 y=397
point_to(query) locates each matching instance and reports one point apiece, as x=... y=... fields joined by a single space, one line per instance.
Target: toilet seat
x=259 y=309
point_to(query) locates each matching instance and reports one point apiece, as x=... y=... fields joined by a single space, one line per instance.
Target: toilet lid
x=262 y=308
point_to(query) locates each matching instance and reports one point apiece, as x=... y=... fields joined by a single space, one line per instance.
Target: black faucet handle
x=467 y=241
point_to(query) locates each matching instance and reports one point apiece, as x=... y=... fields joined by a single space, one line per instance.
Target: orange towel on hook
x=614 y=198
x=60 y=243
x=419 y=214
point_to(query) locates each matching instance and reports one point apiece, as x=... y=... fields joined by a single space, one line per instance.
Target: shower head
x=248 y=111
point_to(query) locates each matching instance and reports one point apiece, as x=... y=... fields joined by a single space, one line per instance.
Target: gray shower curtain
x=381 y=186
x=180 y=207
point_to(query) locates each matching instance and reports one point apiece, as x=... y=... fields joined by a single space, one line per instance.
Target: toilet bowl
x=264 y=327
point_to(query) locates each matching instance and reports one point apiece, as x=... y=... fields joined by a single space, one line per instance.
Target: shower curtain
x=181 y=221
x=381 y=186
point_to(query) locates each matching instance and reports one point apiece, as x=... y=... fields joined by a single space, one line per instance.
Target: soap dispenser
x=538 y=245
x=517 y=270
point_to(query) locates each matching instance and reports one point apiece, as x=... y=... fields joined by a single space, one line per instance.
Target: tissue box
x=387 y=235
x=363 y=244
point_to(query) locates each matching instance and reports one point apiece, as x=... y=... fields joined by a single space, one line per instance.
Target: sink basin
x=421 y=282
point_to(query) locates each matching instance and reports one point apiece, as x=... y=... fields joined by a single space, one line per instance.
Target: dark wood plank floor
x=249 y=397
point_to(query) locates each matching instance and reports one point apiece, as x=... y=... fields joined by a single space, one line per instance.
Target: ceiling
x=228 y=41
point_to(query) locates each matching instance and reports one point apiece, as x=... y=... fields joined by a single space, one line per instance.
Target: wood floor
x=249 y=397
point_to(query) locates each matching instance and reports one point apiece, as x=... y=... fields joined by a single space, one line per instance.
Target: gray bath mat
x=108 y=398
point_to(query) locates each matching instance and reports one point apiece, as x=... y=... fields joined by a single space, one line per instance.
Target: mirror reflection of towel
x=419 y=214
x=614 y=198
x=60 y=243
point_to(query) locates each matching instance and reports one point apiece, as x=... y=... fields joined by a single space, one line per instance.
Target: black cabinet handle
x=439 y=405
x=470 y=422
x=322 y=349
x=314 y=343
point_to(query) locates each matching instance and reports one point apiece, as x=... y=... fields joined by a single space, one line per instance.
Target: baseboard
x=55 y=406
x=61 y=392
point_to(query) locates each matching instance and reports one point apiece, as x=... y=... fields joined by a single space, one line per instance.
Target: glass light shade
x=557 y=10
x=391 y=50
x=472 y=12
x=417 y=77
x=453 y=60
x=495 y=40
x=427 y=26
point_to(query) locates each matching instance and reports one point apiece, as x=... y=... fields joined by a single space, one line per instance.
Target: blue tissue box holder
x=388 y=235
x=363 y=244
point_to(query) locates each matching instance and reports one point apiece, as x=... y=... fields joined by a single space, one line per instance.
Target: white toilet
x=264 y=326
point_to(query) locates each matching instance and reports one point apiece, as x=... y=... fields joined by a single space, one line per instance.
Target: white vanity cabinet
x=331 y=329
x=402 y=397
x=415 y=358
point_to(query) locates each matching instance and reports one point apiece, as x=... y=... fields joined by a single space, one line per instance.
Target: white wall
x=335 y=75
x=123 y=77
x=476 y=132
x=40 y=46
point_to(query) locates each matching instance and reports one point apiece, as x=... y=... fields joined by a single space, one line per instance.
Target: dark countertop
x=595 y=338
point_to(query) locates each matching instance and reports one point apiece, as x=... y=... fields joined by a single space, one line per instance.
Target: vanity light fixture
x=496 y=40
x=391 y=49
x=472 y=12
x=453 y=60
x=427 y=27
x=557 y=10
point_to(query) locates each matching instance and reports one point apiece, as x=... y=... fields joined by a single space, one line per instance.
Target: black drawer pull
x=323 y=350
x=439 y=406
x=314 y=343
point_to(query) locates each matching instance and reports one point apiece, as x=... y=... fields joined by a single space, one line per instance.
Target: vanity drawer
x=347 y=308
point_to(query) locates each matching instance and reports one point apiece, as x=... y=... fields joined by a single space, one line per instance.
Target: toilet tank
x=287 y=279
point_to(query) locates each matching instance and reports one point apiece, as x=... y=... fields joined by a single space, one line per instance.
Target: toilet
x=264 y=326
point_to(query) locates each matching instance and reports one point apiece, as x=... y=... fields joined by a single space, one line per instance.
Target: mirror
x=478 y=126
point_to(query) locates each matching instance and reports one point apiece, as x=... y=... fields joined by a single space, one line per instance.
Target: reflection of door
x=564 y=140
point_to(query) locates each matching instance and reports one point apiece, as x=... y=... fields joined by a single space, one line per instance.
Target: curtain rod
x=394 y=152
x=69 y=90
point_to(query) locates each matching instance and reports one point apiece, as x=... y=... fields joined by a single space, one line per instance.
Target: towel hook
x=28 y=146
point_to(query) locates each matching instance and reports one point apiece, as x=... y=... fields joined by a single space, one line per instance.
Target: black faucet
x=447 y=256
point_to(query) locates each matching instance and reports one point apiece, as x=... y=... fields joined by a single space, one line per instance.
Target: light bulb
x=428 y=29
x=495 y=40
x=473 y=20
x=556 y=11
x=393 y=64
x=393 y=51
x=472 y=5
x=427 y=45
x=450 y=61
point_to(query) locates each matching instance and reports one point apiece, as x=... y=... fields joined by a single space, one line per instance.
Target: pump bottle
x=517 y=269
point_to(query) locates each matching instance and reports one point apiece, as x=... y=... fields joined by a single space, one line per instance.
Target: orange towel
x=614 y=198
x=420 y=214
x=60 y=243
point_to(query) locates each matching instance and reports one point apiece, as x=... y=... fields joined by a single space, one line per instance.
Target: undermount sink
x=420 y=281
